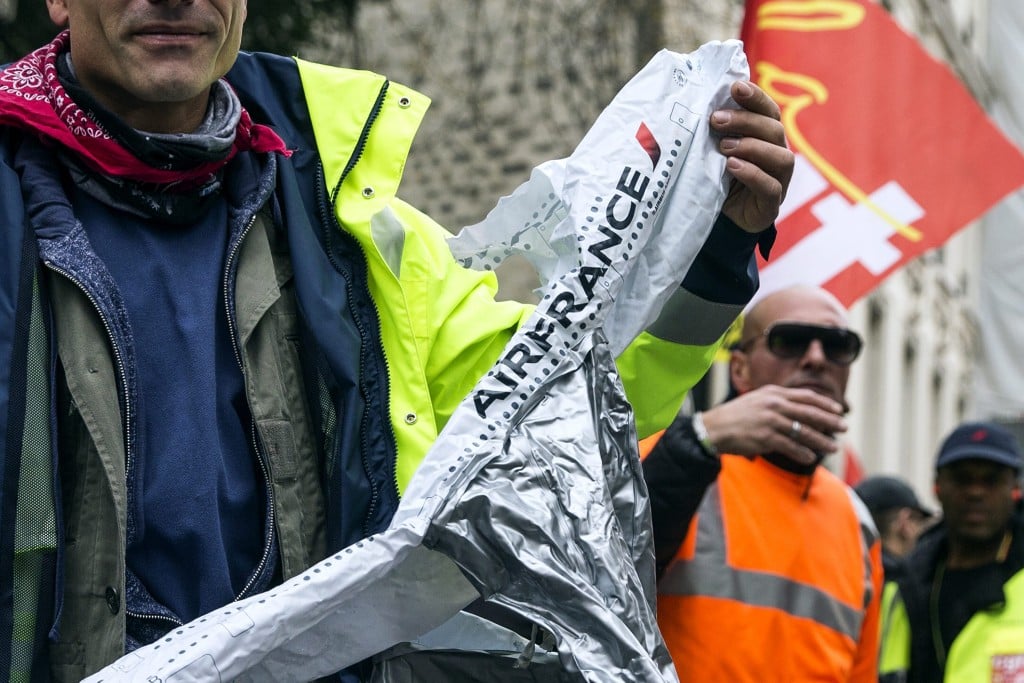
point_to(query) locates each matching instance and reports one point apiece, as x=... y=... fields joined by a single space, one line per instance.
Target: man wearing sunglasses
x=769 y=566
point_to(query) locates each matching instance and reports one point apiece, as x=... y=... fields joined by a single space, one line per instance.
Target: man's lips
x=169 y=32
x=975 y=516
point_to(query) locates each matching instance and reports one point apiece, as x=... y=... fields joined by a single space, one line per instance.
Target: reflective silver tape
x=868 y=536
x=676 y=322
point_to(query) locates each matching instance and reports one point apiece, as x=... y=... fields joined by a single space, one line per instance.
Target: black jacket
x=916 y=582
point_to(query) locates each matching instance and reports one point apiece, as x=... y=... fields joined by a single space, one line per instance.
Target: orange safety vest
x=779 y=579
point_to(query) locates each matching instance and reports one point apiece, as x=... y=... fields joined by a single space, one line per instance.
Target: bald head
x=799 y=303
x=755 y=365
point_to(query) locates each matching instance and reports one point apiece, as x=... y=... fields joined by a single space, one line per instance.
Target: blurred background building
x=515 y=84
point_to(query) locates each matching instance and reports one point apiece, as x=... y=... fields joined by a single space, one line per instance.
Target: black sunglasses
x=790 y=341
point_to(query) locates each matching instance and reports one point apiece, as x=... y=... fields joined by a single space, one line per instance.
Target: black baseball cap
x=980 y=441
x=881 y=493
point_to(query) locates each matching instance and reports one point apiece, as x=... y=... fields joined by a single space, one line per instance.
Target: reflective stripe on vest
x=868 y=536
x=709 y=575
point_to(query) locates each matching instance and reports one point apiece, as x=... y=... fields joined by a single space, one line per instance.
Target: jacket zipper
x=329 y=220
x=129 y=446
x=153 y=617
x=357 y=151
x=264 y=469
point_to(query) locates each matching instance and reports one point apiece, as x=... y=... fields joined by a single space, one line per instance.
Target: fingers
x=758 y=117
x=806 y=423
x=764 y=171
x=797 y=423
x=754 y=135
x=817 y=414
x=759 y=157
x=794 y=450
x=754 y=142
x=804 y=437
x=773 y=160
x=794 y=439
x=752 y=98
x=807 y=397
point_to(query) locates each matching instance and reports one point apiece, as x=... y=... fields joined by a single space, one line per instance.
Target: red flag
x=852 y=469
x=893 y=154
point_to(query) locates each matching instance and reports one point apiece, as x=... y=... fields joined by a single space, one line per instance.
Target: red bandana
x=32 y=98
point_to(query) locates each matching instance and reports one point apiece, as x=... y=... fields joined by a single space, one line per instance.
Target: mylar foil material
x=532 y=497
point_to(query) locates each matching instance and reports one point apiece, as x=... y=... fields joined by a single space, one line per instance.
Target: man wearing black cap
x=899 y=516
x=961 y=614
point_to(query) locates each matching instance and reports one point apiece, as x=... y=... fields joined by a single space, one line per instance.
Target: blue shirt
x=200 y=512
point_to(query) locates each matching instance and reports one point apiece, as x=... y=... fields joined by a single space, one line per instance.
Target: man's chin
x=173 y=90
x=979 y=533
